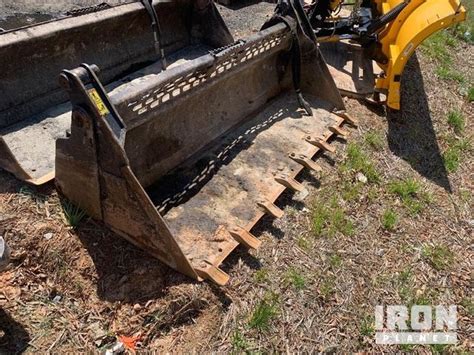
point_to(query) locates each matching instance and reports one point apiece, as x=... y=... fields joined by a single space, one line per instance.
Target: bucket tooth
x=271 y=208
x=289 y=183
x=306 y=162
x=338 y=130
x=348 y=118
x=321 y=144
x=244 y=237
x=208 y=271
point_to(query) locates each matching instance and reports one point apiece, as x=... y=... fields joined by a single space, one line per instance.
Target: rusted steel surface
x=184 y=163
x=240 y=178
x=33 y=112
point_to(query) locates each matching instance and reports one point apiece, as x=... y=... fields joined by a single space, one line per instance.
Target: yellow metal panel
x=419 y=20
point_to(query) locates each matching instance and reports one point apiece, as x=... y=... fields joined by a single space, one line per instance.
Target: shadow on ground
x=13 y=336
x=411 y=135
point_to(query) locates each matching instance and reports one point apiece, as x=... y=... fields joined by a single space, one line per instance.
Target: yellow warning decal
x=94 y=95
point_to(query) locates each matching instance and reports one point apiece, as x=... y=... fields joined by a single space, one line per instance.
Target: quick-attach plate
x=231 y=184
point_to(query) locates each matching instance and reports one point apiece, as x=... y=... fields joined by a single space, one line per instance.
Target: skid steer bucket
x=367 y=51
x=34 y=111
x=183 y=164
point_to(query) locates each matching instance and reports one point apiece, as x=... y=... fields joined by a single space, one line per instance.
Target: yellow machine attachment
x=419 y=20
x=385 y=31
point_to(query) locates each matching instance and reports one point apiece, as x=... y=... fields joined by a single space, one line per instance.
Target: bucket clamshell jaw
x=185 y=163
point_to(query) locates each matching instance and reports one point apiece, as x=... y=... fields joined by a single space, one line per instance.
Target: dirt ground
x=389 y=221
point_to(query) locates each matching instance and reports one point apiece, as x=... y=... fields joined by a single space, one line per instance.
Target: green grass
x=351 y=191
x=410 y=192
x=327 y=287
x=468 y=305
x=407 y=348
x=329 y=219
x=439 y=257
x=264 y=313
x=405 y=189
x=439 y=349
x=304 y=243
x=367 y=326
x=238 y=341
x=405 y=286
x=437 y=46
x=452 y=159
x=296 y=279
x=389 y=220
x=445 y=72
x=335 y=261
x=456 y=121
x=465 y=30
x=261 y=275
x=453 y=155
x=470 y=94
x=73 y=214
x=374 y=140
x=357 y=160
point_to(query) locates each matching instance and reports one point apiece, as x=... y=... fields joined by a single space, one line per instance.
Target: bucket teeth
x=244 y=237
x=271 y=208
x=208 y=271
x=306 y=162
x=289 y=183
x=321 y=144
x=348 y=118
x=339 y=131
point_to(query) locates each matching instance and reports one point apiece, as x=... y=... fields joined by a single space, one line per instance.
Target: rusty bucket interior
x=184 y=163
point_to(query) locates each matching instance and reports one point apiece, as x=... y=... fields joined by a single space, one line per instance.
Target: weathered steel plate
x=226 y=187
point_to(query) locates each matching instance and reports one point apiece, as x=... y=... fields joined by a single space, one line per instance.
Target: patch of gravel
x=12 y=7
x=246 y=19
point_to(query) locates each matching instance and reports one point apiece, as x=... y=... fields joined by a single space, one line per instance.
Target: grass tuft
x=73 y=214
x=367 y=326
x=406 y=189
x=437 y=46
x=304 y=243
x=445 y=72
x=438 y=256
x=374 y=140
x=409 y=191
x=264 y=313
x=470 y=94
x=358 y=161
x=331 y=219
x=456 y=121
x=238 y=341
x=389 y=220
x=453 y=155
x=351 y=191
x=261 y=275
x=468 y=305
x=296 y=279
x=327 y=287
x=335 y=261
